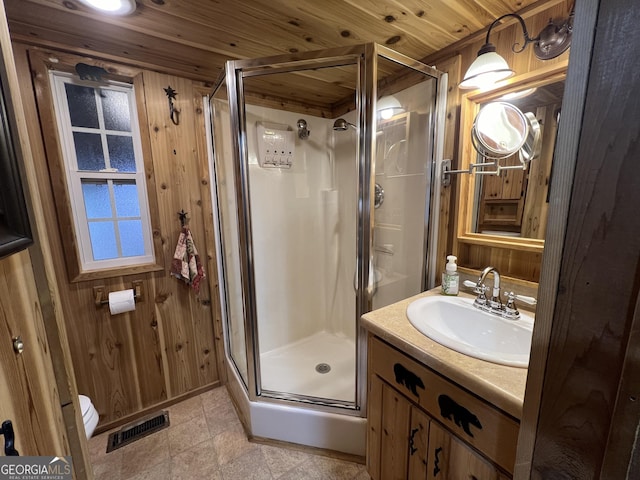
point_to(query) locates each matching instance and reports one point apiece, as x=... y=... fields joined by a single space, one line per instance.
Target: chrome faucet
x=494 y=303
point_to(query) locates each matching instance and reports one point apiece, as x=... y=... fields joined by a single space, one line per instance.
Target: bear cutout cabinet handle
x=453 y=411
x=408 y=379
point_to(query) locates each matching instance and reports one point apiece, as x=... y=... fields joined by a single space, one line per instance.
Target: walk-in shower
x=297 y=151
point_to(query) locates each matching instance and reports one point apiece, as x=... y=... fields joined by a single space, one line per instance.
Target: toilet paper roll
x=120 y=302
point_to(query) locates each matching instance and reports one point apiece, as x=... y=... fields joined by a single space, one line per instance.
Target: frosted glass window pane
x=131 y=240
x=121 y=153
x=115 y=106
x=96 y=199
x=89 y=151
x=103 y=240
x=126 y=194
x=82 y=105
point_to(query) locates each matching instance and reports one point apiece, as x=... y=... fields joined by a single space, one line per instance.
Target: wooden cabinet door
x=388 y=435
x=450 y=459
x=28 y=395
x=398 y=435
x=418 y=445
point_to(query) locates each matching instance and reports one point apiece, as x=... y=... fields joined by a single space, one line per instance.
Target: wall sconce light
x=489 y=67
x=388 y=106
x=112 y=7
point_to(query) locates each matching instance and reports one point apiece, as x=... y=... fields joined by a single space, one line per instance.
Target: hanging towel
x=186 y=263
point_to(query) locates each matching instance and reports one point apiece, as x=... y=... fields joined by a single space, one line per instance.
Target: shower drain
x=323 y=368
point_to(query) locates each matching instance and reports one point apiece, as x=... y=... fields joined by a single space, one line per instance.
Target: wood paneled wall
x=39 y=394
x=517 y=264
x=171 y=345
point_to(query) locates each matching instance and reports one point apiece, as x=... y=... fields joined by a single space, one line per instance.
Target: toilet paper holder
x=102 y=297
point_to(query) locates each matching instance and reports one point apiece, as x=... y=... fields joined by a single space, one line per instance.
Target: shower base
x=300 y=368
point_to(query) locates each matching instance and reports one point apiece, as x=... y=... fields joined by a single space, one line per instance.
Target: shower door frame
x=365 y=57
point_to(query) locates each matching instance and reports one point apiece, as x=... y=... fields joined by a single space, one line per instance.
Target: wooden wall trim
x=448 y=195
x=38 y=42
x=566 y=155
x=622 y=446
x=599 y=280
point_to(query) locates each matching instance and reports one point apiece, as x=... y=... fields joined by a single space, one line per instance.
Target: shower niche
x=303 y=251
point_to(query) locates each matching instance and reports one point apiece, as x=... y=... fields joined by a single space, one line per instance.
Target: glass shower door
x=228 y=235
x=403 y=173
x=302 y=177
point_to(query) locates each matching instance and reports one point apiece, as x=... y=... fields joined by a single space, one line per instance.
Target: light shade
x=112 y=7
x=486 y=70
x=388 y=106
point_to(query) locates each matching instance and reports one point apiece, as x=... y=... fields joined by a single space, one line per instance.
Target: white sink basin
x=455 y=323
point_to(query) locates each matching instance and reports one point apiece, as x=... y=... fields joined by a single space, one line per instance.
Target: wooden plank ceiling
x=193 y=38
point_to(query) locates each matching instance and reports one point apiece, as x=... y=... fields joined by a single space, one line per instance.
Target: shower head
x=303 y=129
x=340 y=125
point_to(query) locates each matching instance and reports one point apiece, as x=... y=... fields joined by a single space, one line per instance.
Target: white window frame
x=75 y=176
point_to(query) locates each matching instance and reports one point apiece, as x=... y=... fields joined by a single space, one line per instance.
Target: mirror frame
x=470 y=105
x=15 y=227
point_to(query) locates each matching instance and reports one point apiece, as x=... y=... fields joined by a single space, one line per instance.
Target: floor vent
x=137 y=430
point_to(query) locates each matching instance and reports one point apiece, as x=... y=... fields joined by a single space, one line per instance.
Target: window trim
x=43 y=62
x=75 y=176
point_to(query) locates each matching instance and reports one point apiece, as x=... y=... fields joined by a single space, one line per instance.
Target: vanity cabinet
x=423 y=426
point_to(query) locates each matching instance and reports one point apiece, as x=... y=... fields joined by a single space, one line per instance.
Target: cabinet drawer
x=473 y=420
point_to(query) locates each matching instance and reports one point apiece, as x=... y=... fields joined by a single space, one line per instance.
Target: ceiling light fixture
x=112 y=7
x=389 y=106
x=489 y=67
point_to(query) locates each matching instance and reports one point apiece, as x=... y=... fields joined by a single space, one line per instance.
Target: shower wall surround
x=296 y=211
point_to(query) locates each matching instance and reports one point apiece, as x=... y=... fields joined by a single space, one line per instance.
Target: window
x=105 y=173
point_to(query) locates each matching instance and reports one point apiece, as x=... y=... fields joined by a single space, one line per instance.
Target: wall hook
x=174 y=113
x=183 y=217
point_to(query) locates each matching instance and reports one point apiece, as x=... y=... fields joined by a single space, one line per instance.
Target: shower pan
x=297 y=149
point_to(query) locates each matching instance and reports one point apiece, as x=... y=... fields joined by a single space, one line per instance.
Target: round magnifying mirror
x=533 y=143
x=499 y=130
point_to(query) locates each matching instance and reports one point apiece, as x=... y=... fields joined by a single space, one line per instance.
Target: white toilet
x=90 y=415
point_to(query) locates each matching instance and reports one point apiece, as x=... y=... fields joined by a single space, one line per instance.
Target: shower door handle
x=372 y=284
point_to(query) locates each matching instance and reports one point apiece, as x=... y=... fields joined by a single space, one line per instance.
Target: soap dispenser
x=450 y=277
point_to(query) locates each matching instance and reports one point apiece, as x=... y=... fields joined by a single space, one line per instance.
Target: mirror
x=15 y=229
x=499 y=130
x=512 y=130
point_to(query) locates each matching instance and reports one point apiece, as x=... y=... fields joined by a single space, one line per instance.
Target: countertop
x=499 y=385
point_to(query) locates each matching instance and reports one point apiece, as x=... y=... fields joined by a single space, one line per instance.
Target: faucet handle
x=523 y=298
x=479 y=288
x=470 y=284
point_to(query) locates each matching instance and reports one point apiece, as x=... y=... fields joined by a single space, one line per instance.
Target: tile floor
x=206 y=442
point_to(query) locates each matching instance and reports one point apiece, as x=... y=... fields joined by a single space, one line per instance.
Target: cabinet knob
x=18 y=345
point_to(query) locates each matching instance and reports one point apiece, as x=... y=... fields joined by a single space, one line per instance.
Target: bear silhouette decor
x=461 y=416
x=90 y=72
x=408 y=379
